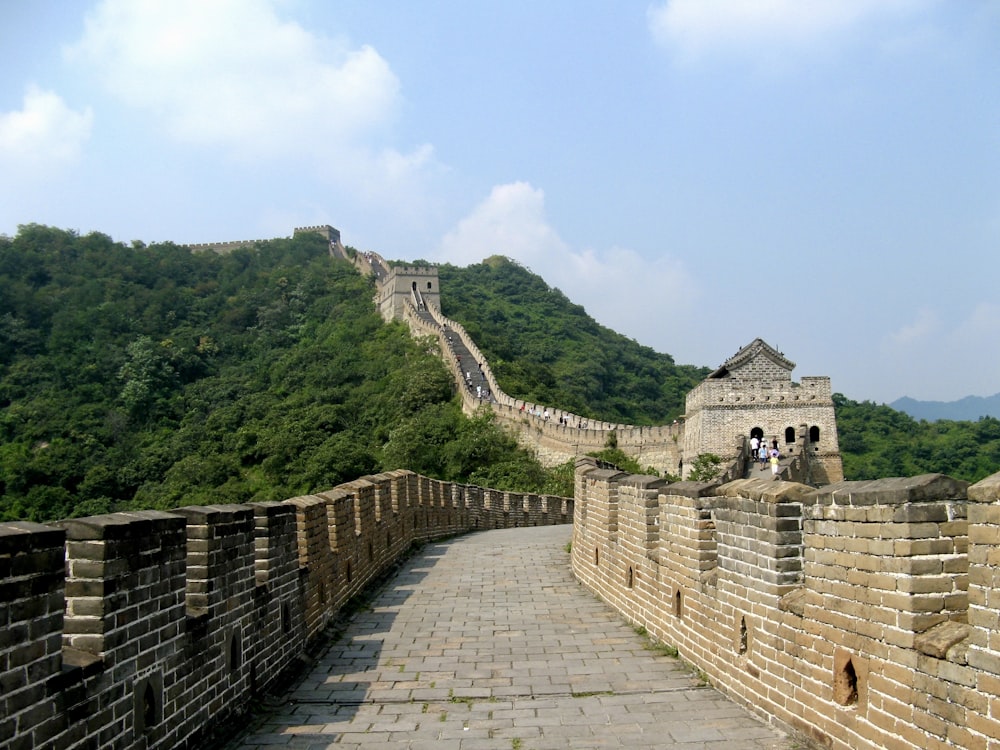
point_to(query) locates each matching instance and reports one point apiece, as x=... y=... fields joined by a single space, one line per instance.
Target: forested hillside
x=544 y=348
x=152 y=377
x=878 y=441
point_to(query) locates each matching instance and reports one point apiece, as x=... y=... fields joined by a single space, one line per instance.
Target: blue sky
x=823 y=174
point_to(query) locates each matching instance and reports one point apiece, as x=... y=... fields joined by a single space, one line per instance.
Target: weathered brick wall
x=278 y=615
x=148 y=630
x=32 y=607
x=719 y=412
x=394 y=291
x=212 y=679
x=863 y=614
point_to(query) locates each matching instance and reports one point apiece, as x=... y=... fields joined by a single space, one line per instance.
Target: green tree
x=705 y=468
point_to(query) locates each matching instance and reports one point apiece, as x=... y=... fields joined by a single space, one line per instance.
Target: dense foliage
x=878 y=441
x=154 y=377
x=546 y=349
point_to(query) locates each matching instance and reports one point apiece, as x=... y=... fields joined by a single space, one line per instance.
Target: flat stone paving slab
x=486 y=642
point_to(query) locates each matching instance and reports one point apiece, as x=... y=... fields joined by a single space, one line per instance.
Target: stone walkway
x=487 y=641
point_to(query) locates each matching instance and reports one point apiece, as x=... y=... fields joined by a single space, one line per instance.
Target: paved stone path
x=487 y=641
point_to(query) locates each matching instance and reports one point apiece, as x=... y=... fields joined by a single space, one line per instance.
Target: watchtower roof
x=756 y=348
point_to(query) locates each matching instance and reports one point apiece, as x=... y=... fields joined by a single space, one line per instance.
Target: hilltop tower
x=418 y=284
x=753 y=394
x=330 y=234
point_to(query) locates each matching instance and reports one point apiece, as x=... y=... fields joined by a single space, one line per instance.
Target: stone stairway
x=467 y=363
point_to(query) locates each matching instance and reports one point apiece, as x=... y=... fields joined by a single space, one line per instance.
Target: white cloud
x=695 y=28
x=239 y=81
x=924 y=327
x=231 y=73
x=45 y=134
x=622 y=290
x=934 y=359
x=982 y=326
x=511 y=222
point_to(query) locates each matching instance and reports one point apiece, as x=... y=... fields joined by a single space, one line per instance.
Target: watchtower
x=419 y=284
x=753 y=394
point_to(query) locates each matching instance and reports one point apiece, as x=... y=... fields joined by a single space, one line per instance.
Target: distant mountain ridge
x=968 y=409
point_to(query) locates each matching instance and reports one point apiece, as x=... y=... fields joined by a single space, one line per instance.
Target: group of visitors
x=544 y=414
x=760 y=451
x=535 y=411
x=481 y=388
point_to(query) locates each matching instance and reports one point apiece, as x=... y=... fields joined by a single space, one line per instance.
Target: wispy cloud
x=694 y=29
x=981 y=326
x=923 y=327
x=930 y=351
x=44 y=134
x=512 y=221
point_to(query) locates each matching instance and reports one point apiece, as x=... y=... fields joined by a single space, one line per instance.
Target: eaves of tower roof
x=756 y=348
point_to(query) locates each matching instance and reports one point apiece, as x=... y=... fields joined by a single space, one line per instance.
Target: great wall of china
x=150 y=629
x=752 y=393
x=863 y=614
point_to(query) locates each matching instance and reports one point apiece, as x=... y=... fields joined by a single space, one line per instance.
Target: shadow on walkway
x=487 y=641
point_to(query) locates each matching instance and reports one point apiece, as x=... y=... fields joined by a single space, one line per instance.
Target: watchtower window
x=429 y=286
x=814 y=434
x=789 y=434
x=413 y=285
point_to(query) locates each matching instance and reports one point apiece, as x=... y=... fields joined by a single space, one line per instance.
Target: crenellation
x=816 y=607
x=864 y=614
x=149 y=630
x=752 y=392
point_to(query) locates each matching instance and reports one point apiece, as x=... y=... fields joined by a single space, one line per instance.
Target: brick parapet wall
x=983 y=652
x=554 y=442
x=32 y=607
x=722 y=412
x=147 y=630
x=212 y=679
x=881 y=548
x=223 y=248
x=279 y=616
x=863 y=614
x=758 y=532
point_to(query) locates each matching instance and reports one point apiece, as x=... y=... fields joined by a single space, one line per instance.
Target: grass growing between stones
x=665 y=649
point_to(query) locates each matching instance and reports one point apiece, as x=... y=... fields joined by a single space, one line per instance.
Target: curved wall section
x=862 y=614
x=150 y=630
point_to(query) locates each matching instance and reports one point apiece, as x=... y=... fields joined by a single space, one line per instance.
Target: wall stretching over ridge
x=554 y=442
x=752 y=391
x=147 y=630
x=864 y=614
